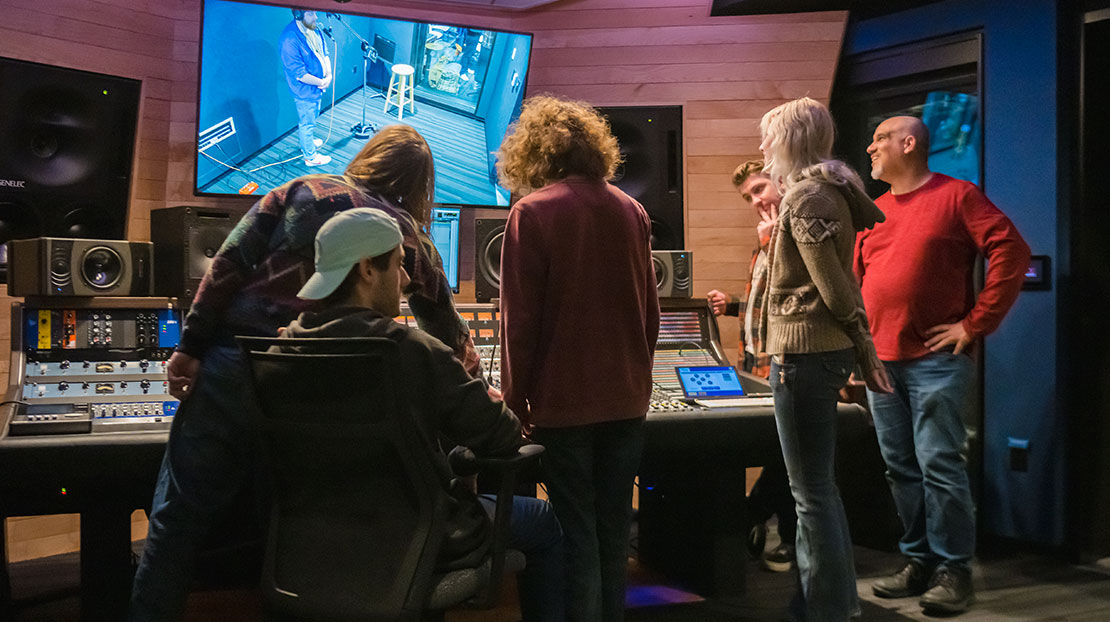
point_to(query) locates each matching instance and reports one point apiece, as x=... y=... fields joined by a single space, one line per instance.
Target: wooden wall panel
x=725 y=72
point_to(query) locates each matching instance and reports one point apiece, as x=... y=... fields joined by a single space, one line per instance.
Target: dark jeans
x=535 y=531
x=771 y=497
x=770 y=494
x=805 y=388
x=207 y=465
x=922 y=435
x=589 y=472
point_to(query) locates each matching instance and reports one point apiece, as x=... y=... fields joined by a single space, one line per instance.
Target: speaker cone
x=660 y=271
x=101 y=267
x=204 y=243
x=58 y=141
x=489 y=260
x=88 y=221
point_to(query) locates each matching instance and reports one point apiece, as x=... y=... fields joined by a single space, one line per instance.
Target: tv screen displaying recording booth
x=465 y=84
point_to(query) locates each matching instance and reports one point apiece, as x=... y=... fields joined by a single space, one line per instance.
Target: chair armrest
x=465 y=462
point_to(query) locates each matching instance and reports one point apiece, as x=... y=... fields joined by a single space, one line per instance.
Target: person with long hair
x=579 y=321
x=251 y=289
x=815 y=329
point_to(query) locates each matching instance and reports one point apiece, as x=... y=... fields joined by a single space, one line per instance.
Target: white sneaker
x=318 y=160
x=319 y=142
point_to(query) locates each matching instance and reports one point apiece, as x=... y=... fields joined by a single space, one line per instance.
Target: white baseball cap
x=345 y=239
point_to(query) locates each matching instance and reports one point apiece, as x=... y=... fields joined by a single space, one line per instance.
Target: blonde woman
x=815 y=329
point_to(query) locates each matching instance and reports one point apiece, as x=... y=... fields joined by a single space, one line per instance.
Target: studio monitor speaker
x=80 y=267
x=650 y=140
x=185 y=241
x=488 y=235
x=674 y=273
x=66 y=143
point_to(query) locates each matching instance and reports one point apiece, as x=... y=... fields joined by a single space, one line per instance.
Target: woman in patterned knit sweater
x=815 y=329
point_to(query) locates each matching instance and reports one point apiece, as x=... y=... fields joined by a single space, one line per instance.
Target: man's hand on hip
x=945 y=335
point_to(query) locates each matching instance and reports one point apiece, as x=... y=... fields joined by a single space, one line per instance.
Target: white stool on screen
x=400 y=90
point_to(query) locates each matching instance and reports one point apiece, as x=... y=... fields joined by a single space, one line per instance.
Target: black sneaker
x=911 y=580
x=757 y=539
x=950 y=591
x=780 y=558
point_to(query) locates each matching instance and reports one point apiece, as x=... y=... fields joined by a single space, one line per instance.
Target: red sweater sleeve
x=523 y=283
x=1007 y=257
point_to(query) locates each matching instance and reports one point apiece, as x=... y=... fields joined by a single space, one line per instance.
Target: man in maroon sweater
x=579 y=320
x=915 y=271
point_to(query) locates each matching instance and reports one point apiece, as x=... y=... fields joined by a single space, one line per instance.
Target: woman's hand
x=878 y=381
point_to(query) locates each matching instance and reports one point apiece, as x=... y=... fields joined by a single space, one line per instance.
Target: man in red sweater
x=579 y=321
x=915 y=272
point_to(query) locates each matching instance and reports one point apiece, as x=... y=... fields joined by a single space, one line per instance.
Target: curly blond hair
x=397 y=163
x=555 y=138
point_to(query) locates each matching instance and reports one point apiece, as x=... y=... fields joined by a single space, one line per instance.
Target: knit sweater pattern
x=813 y=301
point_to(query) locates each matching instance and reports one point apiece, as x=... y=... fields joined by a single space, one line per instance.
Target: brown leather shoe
x=950 y=591
x=911 y=580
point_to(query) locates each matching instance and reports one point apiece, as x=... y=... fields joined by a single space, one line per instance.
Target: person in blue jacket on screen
x=304 y=57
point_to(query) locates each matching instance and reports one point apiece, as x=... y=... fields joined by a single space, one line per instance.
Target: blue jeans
x=589 y=471
x=208 y=463
x=535 y=531
x=921 y=435
x=805 y=389
x=307 y=111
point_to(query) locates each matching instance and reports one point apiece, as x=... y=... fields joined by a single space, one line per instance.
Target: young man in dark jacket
x=359 y=278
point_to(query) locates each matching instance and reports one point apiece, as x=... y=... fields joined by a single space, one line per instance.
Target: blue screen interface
x=444 y=230
x=709 y=381
x=169 y=328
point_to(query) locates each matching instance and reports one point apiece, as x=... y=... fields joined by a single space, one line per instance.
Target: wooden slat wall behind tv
x=724 y=71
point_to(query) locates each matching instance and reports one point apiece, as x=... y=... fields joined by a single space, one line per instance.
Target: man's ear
x=909 y=144
x=366 y=270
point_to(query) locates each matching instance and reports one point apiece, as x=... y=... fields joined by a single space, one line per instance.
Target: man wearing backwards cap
x=359 y=278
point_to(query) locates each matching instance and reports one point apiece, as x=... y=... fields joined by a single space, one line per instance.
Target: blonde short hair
x=800 y=137
x=555 y=138
x=801 y=134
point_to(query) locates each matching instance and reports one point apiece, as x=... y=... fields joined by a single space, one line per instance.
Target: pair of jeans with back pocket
x=805 y=392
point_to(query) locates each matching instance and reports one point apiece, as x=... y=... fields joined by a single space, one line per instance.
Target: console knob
x=62 y=386
x=64 y=365
x=145 y=384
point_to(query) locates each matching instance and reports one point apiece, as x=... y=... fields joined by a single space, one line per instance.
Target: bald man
x=915 y=274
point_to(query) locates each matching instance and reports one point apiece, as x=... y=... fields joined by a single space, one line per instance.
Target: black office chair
x=358 y=507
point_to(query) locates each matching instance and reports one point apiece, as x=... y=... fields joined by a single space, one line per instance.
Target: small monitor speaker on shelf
x=674 y=273
x=185 y=240
x=488 y=234
x=80 y=267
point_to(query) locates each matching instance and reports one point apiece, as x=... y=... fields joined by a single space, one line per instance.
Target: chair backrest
x=357 y=504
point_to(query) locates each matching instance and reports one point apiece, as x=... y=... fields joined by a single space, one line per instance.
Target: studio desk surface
x=692 y=519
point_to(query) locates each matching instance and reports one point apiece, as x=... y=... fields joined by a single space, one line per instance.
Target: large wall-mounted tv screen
x=285 y=93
